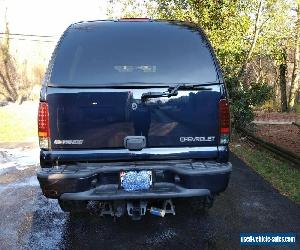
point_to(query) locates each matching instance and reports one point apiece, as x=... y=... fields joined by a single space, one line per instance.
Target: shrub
x=244 y=99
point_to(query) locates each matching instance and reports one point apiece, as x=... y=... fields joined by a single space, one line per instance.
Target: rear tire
x=207 y=202
x=202 y=204
x=73 y=207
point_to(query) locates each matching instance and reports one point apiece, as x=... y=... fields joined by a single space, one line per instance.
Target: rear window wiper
x=173 y=90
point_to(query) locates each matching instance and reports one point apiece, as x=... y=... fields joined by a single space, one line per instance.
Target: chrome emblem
x=134 y=106
x=197 y=139
x=70 y=142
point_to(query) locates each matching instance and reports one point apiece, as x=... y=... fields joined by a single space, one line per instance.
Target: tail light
x=43 y=125
x=224 y=117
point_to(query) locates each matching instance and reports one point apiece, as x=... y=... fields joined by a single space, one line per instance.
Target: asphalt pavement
x=30 y=221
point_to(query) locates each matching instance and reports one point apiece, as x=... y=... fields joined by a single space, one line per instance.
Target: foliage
x=127 y=8
x=244 y=99
x=8 y=72
x=16 y=82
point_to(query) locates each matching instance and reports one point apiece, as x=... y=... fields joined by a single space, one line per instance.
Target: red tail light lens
x=43 y=125
x=43 y=120
x=224 y=116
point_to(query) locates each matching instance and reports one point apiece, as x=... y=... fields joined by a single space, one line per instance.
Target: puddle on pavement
x=26 y=182
x=18 y=158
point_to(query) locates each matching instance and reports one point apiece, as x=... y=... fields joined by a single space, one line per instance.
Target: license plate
x=136 y=180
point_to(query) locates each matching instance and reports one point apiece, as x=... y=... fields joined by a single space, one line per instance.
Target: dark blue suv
x=133 y=112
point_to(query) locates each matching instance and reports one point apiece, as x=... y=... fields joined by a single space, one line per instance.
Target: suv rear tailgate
x=101 y=118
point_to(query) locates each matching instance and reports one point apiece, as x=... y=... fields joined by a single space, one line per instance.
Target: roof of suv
x=95 y=23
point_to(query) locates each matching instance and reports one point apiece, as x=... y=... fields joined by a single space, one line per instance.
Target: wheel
x=73 y=207
x=207 y=202
x=202 y=204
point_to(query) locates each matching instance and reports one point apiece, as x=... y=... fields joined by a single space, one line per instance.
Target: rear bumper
x=158 y=191
x=100 y=181
x=51 y=157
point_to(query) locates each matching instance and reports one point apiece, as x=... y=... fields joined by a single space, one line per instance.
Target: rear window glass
x=132 y=52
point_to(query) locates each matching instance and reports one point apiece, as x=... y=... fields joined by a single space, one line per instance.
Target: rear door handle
x=135 y=142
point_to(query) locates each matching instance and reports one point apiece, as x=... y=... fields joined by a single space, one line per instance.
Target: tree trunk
x=282 y=84
x=276 y=91
x=257 y=28
x=296 y=69
x=8 y=72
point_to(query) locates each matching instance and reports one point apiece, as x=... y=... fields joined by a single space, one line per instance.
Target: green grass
x=279 y=173
x=18 y=123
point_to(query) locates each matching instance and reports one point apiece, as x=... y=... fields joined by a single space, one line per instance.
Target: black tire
x=207 y=202
x=202 y=204
x=73 y=207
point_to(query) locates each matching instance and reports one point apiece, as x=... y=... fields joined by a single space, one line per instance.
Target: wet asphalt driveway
x=30 y=221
